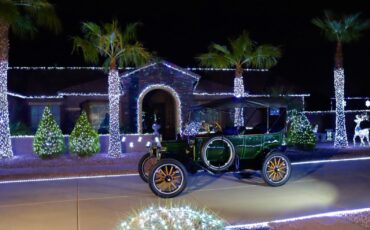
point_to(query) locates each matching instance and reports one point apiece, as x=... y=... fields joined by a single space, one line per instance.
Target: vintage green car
x=208 y=143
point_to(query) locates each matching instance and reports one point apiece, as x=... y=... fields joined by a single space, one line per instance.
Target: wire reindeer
x=361 y=133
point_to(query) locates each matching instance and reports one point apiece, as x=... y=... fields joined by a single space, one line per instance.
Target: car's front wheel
x=168 y=178
x=276 y=169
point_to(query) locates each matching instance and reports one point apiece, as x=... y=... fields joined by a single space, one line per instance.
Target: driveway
x=102 y=202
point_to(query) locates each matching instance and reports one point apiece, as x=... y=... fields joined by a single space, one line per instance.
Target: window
x=37 y=111
x=98 y=113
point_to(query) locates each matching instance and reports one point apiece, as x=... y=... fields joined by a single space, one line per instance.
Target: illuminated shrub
x=172 y=217
x=84 y=140
x=48 y=140
x=300 y=133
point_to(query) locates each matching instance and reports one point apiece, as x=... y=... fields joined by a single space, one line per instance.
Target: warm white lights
x=5 y=144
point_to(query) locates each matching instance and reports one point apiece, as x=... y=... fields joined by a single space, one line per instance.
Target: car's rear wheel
x=145 y=165
x=168 y=178
x=276 y=169
x=218 y=154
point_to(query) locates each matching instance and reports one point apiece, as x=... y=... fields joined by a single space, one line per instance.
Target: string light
x=340 y=118
x=367 y=103
x=239 y=117
x=114 y=92
x=5 y=144
x=333 y=111
x=239 y=87
x=308 y=217
x=173 y=217
x=168 y=89
x=249 y=95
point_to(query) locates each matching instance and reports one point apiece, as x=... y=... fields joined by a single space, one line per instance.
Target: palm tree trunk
x=114 y=93
x=340 y=119
x=5 y=144
x=238 y=92
x=238 y=82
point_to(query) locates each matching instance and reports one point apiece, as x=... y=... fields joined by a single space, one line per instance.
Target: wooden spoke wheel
x=168 y=178
x=276 y=169
x=145 y=165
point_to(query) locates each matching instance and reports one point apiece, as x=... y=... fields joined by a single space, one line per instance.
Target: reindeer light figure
x=361 y=133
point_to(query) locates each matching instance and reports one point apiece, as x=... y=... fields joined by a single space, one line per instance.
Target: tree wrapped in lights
x=174 y=217
x=48 y=140
x=300 y=133
x=341 y=30
x=84 y=140
x=241 y=53
x=21 y=17
x=117 y=48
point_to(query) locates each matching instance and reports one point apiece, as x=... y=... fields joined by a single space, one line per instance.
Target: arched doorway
x=163 y=104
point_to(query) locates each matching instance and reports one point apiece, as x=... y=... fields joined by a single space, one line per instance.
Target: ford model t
x=210 y=141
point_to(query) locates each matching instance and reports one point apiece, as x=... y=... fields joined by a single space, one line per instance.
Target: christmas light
x=131 y=144
x=328 y=214
x=239 y=117
x=340 y=118
x=114 y=92
x=223 y=69
x=166 y=88
x=367 y=103
x=139 y=139
x=238 y=86
x=67 y=178
x=59 y=96
x=331 y=161
x=333 y=111
x=174 y=217
x=249 y=95
x=5 y=144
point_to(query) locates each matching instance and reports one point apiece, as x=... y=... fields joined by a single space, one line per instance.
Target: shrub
x=19 y=129
x=48 y=140
x=300 y=133
x=173 y=217
x=84 y=140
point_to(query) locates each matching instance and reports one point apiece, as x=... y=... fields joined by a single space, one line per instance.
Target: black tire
x=145 y=165
x=162 y=178
x=229 y=161
x=276 y=169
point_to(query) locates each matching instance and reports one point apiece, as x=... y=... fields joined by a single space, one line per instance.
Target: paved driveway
x=101 y=203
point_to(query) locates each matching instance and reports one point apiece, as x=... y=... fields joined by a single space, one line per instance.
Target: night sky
x=180 y=30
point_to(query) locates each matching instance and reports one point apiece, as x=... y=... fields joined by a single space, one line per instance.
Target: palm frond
x=265 y=56
x=134 y=54
x=130 y=32
x=214 y=59
x=8 y=12
x=342 y=29
x=24 y=27
x=43 y=14
x=89 y=51
x=242 y=46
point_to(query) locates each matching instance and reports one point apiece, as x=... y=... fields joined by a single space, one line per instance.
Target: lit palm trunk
x=5 y=144
x=340 y=119
x=114 y=149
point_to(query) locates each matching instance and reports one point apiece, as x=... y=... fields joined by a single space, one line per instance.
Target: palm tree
x=116 y=49
x=241 y=53
x=21 y=18
x=344 y=29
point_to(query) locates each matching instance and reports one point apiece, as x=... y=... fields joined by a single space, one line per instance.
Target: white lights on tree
x=238 y=86
x=114 y=93
x=239 y=117
x=5 y=144
x=340 y=119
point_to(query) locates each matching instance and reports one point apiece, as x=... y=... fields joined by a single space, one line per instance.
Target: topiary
x=48 y=140
x=300 y=133
x=84 y=140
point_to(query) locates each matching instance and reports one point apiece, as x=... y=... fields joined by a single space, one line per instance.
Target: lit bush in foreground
x=173 y=217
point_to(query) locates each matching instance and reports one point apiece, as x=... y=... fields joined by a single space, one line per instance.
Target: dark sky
x=179 y=30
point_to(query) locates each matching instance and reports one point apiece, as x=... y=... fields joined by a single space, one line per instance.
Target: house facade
x=159 y=92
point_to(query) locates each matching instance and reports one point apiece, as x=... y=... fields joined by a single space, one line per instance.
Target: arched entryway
x=162 y=103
